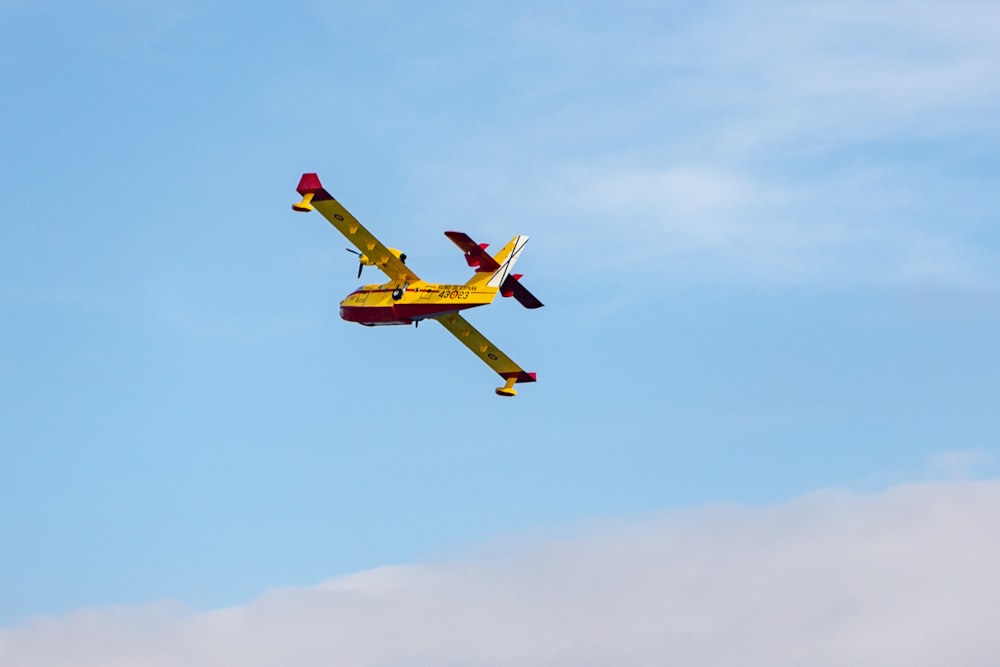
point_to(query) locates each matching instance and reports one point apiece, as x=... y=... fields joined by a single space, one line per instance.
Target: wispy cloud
x=830 y=72
x=961 y=464
x=110 y=26
x=904 y=577
x=821 y=142
x=848 y=229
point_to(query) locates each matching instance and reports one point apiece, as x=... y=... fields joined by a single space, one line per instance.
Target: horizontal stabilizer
x=475 y=253
x=511 y=286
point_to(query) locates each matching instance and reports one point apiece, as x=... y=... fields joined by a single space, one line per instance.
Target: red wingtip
x=309 y=183
x=522 y=376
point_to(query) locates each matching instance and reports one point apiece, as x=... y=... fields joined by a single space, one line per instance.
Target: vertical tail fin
x=505 y=259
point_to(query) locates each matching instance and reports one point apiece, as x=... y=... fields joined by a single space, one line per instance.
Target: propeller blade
x=361 y=265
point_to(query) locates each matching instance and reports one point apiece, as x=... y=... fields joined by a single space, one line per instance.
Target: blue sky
x=766 y=236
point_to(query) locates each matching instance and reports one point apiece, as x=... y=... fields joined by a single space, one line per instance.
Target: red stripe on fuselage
x=400 y=313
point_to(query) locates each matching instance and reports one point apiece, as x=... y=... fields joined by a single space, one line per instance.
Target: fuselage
x=394 y=303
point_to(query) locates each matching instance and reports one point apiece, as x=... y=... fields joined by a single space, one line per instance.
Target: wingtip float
x=406 y=299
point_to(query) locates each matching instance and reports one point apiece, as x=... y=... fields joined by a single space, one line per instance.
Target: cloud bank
x=905 y=577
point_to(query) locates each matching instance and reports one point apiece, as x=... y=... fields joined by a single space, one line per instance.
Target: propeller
x=361 y=264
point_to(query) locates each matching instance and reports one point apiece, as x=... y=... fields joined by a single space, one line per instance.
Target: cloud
x=806 y=77
x=830 y=142
x=903 y=577
x=709 y=218
x=961 y=464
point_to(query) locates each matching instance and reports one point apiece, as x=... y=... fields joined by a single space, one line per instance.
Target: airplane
x=406 y=299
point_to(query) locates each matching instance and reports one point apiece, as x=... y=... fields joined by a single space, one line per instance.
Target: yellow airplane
x=406 y=299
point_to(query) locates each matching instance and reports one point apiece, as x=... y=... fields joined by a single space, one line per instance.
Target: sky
x=765 y=423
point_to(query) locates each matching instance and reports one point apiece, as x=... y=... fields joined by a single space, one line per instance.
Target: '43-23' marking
x=453 y=294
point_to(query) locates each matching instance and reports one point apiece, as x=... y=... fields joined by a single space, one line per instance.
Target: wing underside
x=491 y=355
x=315 y=196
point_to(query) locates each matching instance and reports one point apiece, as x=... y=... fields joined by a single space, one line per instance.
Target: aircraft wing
x=475 y=254
x=315 y=196
x=485 y=350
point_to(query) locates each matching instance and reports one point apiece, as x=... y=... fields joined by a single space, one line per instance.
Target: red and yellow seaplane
x=406 y=299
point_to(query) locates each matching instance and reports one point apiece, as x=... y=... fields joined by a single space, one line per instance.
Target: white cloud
x=708 y=218
x=904 y=577
x=824 y=142
x=961 y=464
x=827 y=72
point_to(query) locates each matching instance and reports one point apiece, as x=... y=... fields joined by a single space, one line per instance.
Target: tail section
x=510 y=283
x=495 y=271
x=503 y=261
